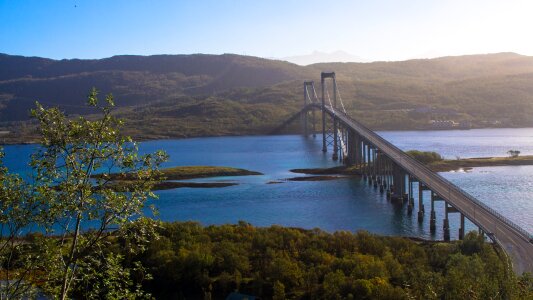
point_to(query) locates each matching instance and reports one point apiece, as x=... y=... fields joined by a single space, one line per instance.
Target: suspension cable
x=316 y=96
x=340 y=98
x=327 y=93
x=308 y=95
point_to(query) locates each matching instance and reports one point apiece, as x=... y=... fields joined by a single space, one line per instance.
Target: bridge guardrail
x=528 y=236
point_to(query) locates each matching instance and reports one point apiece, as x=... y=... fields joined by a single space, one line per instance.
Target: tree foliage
x=77 y=213
x=425 y=157
x=513 y=153
x=278 y=262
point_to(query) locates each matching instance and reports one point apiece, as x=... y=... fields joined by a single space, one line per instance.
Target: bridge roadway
x=515 y=241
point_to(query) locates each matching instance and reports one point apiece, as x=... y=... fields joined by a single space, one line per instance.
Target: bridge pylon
x=333 y=105
x=308 y=99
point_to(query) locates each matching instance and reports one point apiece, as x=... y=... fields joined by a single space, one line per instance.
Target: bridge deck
x=514 y=240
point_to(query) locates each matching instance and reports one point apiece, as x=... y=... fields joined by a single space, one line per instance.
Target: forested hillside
x=197 y=95
x=190 y=261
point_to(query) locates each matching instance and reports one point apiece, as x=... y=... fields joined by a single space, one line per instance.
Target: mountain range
x=196 y=95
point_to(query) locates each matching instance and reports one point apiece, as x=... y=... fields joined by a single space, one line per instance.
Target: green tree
x=513 y=153
x=20 y=212
x=72 y=151
x=425 y=157
x=279 y=291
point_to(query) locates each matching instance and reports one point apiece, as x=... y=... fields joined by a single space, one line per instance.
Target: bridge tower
x=323 y=77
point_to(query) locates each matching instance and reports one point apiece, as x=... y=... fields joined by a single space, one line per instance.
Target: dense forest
x=207 y=95
x=190 y=261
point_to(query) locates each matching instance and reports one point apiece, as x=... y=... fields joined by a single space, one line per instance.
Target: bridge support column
x=462 y=228
x=405 y=195
x=313 y=120
x=389 y=180
x=381 y=164
x=411 y=202
x=372 y=162
x=335 y=155
x=375 y=167
x=398 y=175
x=357 y=150
x=350 y=159
x=368 y=160
x=433 y=217
x=421 y=209
x=363 y=159
x=446 y=223
x=324 y=146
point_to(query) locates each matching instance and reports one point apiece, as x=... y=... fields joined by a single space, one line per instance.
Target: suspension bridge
x=403 y=178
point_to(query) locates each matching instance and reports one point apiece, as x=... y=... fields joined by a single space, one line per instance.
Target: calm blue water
x=345 y=204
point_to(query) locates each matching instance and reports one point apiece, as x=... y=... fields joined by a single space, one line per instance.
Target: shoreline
x=22 y=141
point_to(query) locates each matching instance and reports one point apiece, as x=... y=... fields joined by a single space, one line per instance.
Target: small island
x=183 y=173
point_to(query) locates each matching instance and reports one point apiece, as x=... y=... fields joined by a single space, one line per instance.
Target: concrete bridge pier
x=335 y=155
x=375 y=167
x=411 y=203
x=405 y=187
x=433 y=217
x=381 y=162
x=362 y=152
x=462 y=228
x=446 y=223
x=352 y=144
x=368 y=162
x=399 y=184
x=389 y=179
x=324 y=145
x=421 y=209
x=313 y=122
x=358 y=152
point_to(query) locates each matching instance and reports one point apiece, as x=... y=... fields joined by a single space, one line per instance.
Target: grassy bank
x=350 y=170
x=191 y=172
x=468 y=163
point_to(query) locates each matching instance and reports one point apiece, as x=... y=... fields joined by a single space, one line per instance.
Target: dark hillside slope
x=133 y=79
x=13 y=67
x=195 y=95
x=434 y=70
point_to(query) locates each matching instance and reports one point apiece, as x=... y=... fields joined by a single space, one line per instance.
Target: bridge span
x=393 y=171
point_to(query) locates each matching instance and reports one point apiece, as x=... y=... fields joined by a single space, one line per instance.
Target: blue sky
x=374 y=30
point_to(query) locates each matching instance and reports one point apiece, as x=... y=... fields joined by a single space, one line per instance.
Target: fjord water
x=343 y=204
